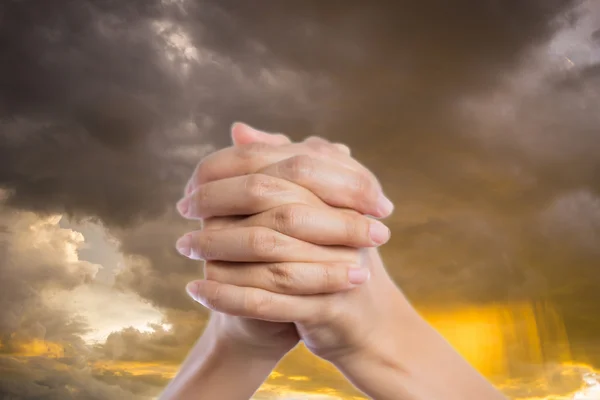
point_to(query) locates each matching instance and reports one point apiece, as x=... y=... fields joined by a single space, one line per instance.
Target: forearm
x=214 y=369
x=415 y=363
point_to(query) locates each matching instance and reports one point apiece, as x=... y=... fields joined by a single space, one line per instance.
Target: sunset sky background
x=480 y=117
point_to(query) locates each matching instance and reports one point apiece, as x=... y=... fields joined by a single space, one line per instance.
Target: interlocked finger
x=289 y=277
x=258 y=244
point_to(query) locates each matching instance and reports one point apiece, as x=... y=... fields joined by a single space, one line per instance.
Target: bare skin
x=288 y=243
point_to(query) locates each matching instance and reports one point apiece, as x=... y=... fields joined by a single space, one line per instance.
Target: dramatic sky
x=481 y=118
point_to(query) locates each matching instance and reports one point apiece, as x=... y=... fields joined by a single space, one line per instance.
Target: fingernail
x=189 y=188
x=384 y=205
x=356 y=276
x=378 y=232
x=184 y=245
x=183 y=206
x=192 y=290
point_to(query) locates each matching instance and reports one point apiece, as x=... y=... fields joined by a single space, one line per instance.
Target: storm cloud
x=480 y=118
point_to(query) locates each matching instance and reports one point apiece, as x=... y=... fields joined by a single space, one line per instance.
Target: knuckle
x=327 y=278
x=207 y=168
x=289 y=217
x=319 y=144
x=282 y=276
x=205 y=245
x=213 y=299
x=300 y=168
x=262 y=242
x=200 y=199
x=258 y=303
x=362 y=187
x=361 y=183
x=352 y=224
x=251 y=150
x=258 y=185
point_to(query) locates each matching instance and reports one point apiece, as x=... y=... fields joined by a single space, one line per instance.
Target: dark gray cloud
x=89 y=97
x=98 y=117
x=103 y=115
x=84 y=92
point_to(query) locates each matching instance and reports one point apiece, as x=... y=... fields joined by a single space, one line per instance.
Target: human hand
x=370 y=332
x=292 y=239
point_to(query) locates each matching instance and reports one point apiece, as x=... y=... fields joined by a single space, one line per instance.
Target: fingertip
x=343 y=148
x=320 y=145
x=279 y=139
x=378 y=232
x=241 y=134
x=384 y=206
x=358 y=276
x=183 y=206
x=184 y=245
x=236 y=125
x=192 y=289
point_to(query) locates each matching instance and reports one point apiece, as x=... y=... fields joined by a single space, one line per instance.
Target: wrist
x=379 y=367
x=214 y=359
x=395 y=316
x=230 y=338
x=407 y=359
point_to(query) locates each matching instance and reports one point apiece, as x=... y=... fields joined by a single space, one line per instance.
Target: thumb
x=244 y=134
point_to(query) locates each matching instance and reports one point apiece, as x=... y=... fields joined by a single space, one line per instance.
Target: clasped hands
x=289 y=238
x=285 y=240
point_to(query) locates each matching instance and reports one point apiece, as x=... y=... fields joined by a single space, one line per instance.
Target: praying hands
x=289 y=239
